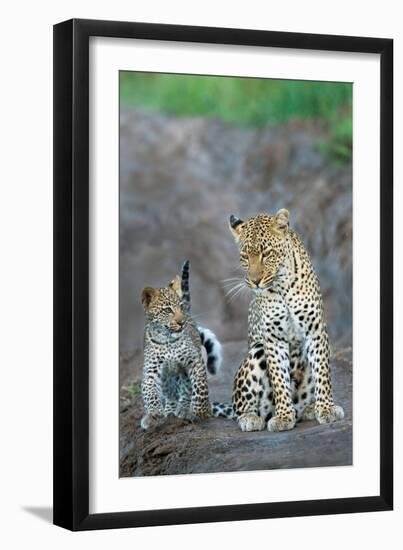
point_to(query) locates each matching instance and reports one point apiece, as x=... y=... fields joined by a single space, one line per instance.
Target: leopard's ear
x=236 y=225
x=176 y=286
x=147 y=295
x=282 y=219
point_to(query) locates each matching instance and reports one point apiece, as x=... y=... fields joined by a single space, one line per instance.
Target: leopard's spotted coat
x=286 y=375
x=174 y=371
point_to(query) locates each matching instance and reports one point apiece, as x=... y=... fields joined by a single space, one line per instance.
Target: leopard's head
x=163 y=305
x=261 y=242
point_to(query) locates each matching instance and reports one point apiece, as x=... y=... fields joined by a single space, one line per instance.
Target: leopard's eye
x=168 y=310
x=244 y=256
x=268 y=254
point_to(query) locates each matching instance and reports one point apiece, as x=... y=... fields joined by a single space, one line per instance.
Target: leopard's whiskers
x=226 y=283
x=234 y=288
x=230 y=285
x=238 y=292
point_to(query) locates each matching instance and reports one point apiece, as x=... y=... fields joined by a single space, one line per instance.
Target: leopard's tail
x=185 y=286
x=208 y=339
x=213 y=348
x=223 y=410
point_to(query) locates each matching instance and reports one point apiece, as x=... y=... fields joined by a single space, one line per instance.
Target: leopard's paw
x=309 y=412
x=150 y=421
x=328 y=414
x=185 y=414
x=280 y=423
x=251 y=422
x=201 y=413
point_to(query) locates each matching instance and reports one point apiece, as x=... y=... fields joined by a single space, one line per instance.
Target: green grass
x=242 y=101
x=134 y=390
x=339 y=145
x=248 y=102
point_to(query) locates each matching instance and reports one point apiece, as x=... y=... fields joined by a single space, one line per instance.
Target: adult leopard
x=286 y=375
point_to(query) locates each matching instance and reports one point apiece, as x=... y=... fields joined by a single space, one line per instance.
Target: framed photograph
x=223 y=274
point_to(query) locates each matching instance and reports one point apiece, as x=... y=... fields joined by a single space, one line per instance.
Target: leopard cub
x=174 y=373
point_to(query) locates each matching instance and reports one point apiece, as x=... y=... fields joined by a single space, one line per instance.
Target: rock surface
x=217 y=445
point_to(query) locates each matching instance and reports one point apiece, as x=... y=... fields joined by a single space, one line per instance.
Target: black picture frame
x=71 y=274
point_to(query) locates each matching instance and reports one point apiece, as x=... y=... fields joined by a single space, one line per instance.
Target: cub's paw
x=150 y=421
x=280 y=423
x=328 y=414
x=185 y=414
x=251 y=422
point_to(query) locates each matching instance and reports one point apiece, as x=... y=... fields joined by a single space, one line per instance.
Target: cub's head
x=261 y=242
x=163 y=305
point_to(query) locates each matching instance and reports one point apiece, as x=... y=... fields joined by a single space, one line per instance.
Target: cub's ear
x=176 y=286
x=235 y=224
x=147 y=294
x=282 y=220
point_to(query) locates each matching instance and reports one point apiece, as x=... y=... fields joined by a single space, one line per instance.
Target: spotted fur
x=208 y=338
x=286 y=375
x=174 y=372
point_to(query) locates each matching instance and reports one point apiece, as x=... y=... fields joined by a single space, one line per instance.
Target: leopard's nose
x=256 y=281
x=180 y=322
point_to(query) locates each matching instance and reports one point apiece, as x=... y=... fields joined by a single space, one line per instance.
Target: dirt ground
x=217 y=445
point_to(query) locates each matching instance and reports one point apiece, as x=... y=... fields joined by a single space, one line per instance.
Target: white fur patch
x=216 y=350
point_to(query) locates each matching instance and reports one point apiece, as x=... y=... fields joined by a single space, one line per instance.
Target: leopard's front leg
x=184 y=398
x=153 y=407
x=274 y=323
x=318 y=356
x=200 y=406
x=277 y=353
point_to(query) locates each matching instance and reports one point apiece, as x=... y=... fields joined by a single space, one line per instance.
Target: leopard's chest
x=272 y=315
x=169 y=352
x=295 y=333
x=171 y=366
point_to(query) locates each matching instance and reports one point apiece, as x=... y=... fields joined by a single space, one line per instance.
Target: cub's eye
x=244 y=257
x=167 y=310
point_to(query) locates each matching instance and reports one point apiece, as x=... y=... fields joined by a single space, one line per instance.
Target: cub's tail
x=208 y=339
x=213 y=348
x=223 y=410
x=185 y=286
